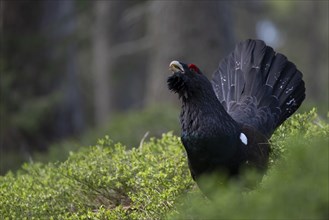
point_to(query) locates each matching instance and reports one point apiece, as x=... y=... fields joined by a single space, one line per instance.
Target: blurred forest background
x=72 y=71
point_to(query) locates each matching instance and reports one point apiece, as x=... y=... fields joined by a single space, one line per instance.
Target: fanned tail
x=258 y=87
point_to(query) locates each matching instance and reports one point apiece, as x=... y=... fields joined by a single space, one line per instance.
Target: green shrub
x=103 y=180
x=304 y=127
x=110 y=181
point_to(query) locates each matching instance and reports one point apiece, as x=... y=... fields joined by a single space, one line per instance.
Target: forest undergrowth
x=151 y=181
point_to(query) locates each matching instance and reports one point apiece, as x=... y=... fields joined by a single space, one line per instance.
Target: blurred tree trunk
x=59 y=25
x=106 y=34
x=198 y=32
x=119 y=57
x=101 y=58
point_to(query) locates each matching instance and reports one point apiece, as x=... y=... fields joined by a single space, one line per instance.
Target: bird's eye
x=194 y=68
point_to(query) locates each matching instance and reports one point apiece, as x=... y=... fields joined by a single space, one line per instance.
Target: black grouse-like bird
x=226 y=122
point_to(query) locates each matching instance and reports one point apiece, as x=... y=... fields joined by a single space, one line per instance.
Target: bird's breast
x=218 y=149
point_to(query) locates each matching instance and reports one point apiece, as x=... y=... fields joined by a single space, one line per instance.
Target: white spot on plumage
x=243 y=138
x=292 y=101
x=289 y=90
x=185 y=95
x=237 y=65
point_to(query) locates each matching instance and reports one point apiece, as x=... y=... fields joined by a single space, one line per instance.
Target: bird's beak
x=175 y=66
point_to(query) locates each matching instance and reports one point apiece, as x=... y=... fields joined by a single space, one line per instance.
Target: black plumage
x=226 y=122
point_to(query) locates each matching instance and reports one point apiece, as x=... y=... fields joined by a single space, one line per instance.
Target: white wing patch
x=243 y=138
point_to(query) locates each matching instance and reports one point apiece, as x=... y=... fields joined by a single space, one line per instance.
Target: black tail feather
x=256 y=70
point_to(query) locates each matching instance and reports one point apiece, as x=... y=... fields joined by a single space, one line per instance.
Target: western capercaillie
x=226 y=122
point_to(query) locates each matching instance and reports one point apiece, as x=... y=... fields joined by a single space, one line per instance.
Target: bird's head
x=186 y=79
x=176 y=66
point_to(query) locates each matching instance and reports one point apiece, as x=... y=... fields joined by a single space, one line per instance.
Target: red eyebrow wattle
x=194 y=67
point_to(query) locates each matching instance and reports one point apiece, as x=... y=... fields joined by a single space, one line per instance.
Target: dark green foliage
x=108 y=181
